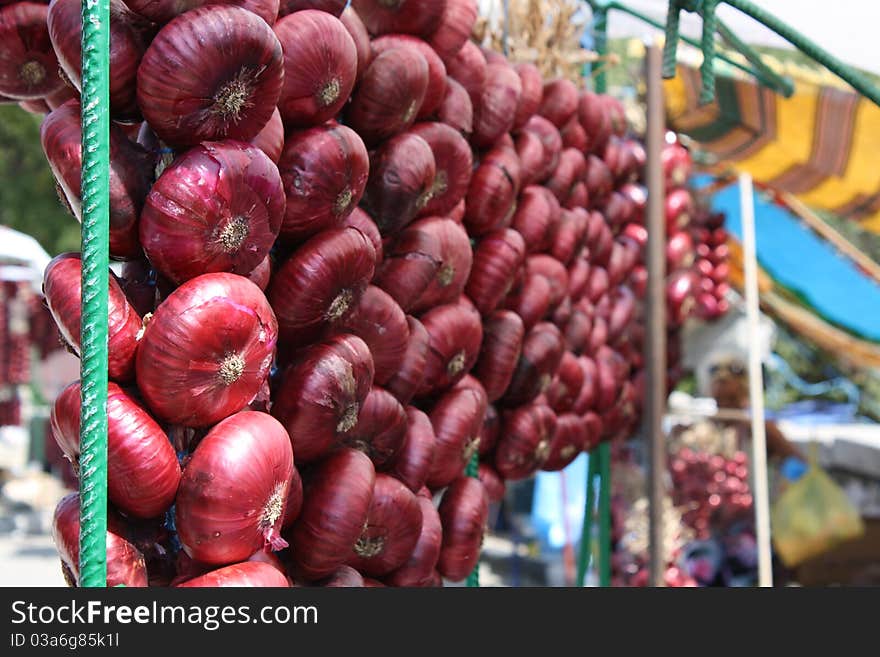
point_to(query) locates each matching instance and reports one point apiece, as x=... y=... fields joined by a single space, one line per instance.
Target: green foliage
x=28 y=200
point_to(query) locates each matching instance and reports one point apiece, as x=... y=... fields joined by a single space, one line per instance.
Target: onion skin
x=234 y=490
x=454 y=260
x=552 y=142
x=392 y=530
x=532 y=86
x=455 y=26
x=380 y=431
x=578 y=275
x=130 y=174
x=531 y=300
x=492 y=482
x=218 y=207
x=574 y=136
x=497 y=259
x=344 y=577
x=379 y=321
x=541 y=354
x=595 y=121
x=490 y=431
x=457 y=418
x=570 y=439
x=270 y=139
x=417 y=454
x=566 y=385
x=321 y=283
x=390 y=95
x=537 y=218
x=401 y=182
x=453 y=166
x=129 y=36
x=410 y=266
x=570 y=235
x=463 y=512
x=294 y=500
x=325 y=172
x=565 y=176
x=362 y=221
x=503 y=333
x=338 y=492
x=320 y=67
x=142 y=468
x=435 y=92
x=457 y=109
x=455 y=333
x=587 y=396
x=125 y=563
x=232 y=100
x=403 y=16
x=321 y=394
x=409 y=376
x=560 y=101
x=555 y=273
x=494 y=114
x=162 y=11
x=491 y=198
x=358 y=32
x=333 y=7
x=61 y=287
x=469 y=68
x=29 y=66
x=526 y=437
x=247 y=574
x=207 y=350
x=419 y=567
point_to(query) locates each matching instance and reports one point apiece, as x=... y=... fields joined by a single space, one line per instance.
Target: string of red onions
x=463 y=514
x=455 y=334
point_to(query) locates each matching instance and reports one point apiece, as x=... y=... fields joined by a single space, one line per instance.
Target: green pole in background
x=95 y=284
x=473 y=470
x=586 y=546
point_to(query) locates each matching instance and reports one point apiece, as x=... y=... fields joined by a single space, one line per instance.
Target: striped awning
x=822 y=145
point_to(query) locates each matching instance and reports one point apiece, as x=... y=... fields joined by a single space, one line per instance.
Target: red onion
x=294 y=500
x=162 y=11
x=495 y=111
x=358 y=32
x=381 y=428
x=599 y=182
x=261 y=274
x=343 y=577
x=578 y=275
x=390 y=94
x=218 y=207
x=125 y=563
x=436 y=89
x=468 y=67
x=455 y=26
x=676 y=164
x=401 y=182
x=130 y=174
x=61 y=286
x=586 y=399
x=532 y=85
x=566 y=174
x=457 y=110
x=392 y=530
x=566 y=385
x=37 y=106
x=419 y=567
x=325 y=171
x=531 y=300
x=234 y=489
x=570 y=439
x=490 y=431
x=530 y=150
x=560 y=101
x=138 y=284
x=417 y=454
x=492 y=482
x=453 y=163
x=457 y=418
x=362 y=221
x=270 y=139
x=337 y=499
x=457 y=213
x=555 y=273
x=207 y=350
x=321 y=394
x=247 y=574
x=595 y=121
x=681 y=288
x=503 y=333
x=463 y=513
x=142 y=468
x=616 y=113
x=497 y=259
x=525 y=441
x=679 y=208
x=491 y=197
x=541 y=354
x=610 y=370
x=401 y=16
x=637 y=195
x=593 y=424
x=536 y=218
x=321 y=283
x=214 y=72
x=454 y=260
x=379 y=321
x=334 y=7
x=617 y=211
x=408 y=378
x=455 y=334
x=410 y=265
x=598 y=335
x=679 y=250
x=574 y=136
x=577 y=330
x=320 y=67
x=28 y=65
x=571 y=235
x=597 y=284
x=129 y=36
x=552 y=142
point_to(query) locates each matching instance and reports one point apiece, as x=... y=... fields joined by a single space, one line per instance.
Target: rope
x=707 y=68
x=473 y=470
x=670 y=44
x=779 y=83
x=95 y=285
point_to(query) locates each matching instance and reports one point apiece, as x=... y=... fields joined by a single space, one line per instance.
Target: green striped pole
x=473 y=470
x=95 y=284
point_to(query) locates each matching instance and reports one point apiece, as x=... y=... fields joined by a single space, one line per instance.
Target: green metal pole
x=473 y=470
x=95 y=266
x=586 y=547
x=605 y=514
